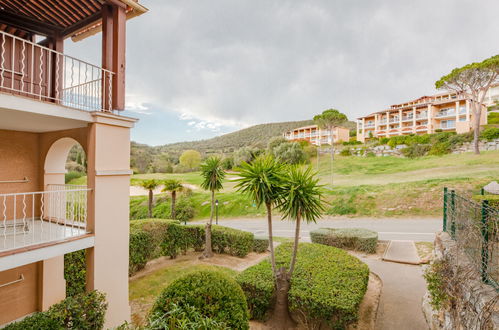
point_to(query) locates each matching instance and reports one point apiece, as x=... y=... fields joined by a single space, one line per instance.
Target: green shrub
x=260 y=244
x=75 y=272
x=83 y=311
x=416 y=150
x=184 y=210
x=71 y=175
x=140 y=250
x=439 y=149
x=158 y=231
x=326 y=288
x=182 y=317
x=493 y=118
x=435 y=280
x=346 y=238
x=231 y=241
x=211 y=293
x=346 y=152
x=490 y=133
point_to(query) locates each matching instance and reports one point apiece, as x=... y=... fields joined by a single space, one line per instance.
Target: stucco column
x=429 y=117
x=457 y=112
x=52 y=284
x=108 y=212
x=400 y=120
x=375 y=124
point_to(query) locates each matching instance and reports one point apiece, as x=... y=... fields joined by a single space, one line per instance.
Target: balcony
x=423 y=115
x=444 y=114
x=407 y=118
x=31 y=70
x=35 y=218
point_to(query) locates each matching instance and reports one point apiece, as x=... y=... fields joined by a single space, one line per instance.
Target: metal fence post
x=485 y=241
x=445 y=210
x=453 y=213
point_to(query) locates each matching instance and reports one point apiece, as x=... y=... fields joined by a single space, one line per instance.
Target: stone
x=492 y=188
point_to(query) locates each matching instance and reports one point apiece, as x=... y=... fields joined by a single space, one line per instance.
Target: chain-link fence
x=474 y=225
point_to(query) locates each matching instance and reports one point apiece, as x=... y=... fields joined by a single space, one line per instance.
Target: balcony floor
x=39 y=232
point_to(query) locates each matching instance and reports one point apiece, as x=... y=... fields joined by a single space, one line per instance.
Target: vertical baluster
x=32 y=68
x=33 y=217
x=12 y=63
x=15 y=211
x=72 y=81
x=110 y=90
x=40 y=75
x=23 y=58
x=85 y=88
x=49 y=75
x=71 y=210
x=51 y=212
x=56 y=94
x=24 y=219
x=3 y=59
x=79 y=84
x=42 y=213
x=63 y=209
x=5 y=221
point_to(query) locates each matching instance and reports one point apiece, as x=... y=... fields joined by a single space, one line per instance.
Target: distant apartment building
x=492 y=96
x=50 y=101
x=317 y=136
x=425 y=115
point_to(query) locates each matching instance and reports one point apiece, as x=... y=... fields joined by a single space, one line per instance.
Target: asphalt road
x=416 y=229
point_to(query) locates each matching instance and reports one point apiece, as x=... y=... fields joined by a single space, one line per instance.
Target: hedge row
x=213 y=294
x=346 y=238
x=83 y=312
x=326 y=288
x=152 y=238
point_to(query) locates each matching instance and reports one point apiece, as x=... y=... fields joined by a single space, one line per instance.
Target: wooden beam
x=82 y=23
x=107 y=52
x=119 y=39
x=28 y=24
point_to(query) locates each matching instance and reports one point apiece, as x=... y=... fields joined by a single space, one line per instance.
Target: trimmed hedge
x=211 y=293
x=346 y=238
x=260 y=244
x=75 y=273
x=326 y=288
x=181 y=317
x=83 y=312
x=152 y=238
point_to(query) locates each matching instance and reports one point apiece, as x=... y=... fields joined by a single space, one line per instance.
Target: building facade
x=49 y=102
x=425 y=115
x=317 y=136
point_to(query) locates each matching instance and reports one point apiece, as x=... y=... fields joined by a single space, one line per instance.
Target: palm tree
x=301 y=200
x=213 y=175
x=261 y=181
x=328 y=119
x=173 y=186
x=150 y=185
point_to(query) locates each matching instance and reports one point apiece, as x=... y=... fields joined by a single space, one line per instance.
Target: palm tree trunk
x=150 y=203
x=281 y=318
x=174 y=196
x=271 y=239
x=208 y=251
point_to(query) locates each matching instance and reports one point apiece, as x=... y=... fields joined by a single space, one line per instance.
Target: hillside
x=257 y=135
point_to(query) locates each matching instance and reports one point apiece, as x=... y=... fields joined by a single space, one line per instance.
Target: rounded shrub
x=211 y=293
x=326 y=288
x=231 y=241
x=346 y=238
x=260 y=244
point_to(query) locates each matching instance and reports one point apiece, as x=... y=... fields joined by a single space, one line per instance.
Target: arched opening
x=65 y=204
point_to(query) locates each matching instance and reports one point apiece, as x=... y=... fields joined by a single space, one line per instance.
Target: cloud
x=237 y=63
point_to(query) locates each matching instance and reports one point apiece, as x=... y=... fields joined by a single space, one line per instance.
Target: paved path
x=416 y=229
x=401 y=296
x=403 y=252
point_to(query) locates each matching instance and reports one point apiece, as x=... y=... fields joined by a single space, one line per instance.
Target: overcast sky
x=196 y=69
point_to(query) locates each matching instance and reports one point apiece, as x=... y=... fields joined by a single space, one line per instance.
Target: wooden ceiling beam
x=52 y=13
x=82 y=23
x=28 y=24
x=81 y=15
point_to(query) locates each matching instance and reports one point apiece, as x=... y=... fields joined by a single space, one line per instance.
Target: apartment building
x=492 y=96
x=317 y=136
x=50 y=101
x=425 y=115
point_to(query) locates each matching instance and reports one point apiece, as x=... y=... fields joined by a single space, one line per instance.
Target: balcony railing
x=445 y=114
x=32 y=70
x=33 y=218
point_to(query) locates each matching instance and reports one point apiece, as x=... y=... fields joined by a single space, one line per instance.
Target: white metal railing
x=32 y=70
x=32 y=218
x=423 y=115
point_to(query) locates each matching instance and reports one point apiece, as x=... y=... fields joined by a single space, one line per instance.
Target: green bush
x=346 y=238
x=346 y=152
x=158 y=231
x=435 y=279
x=440 y=148
x=493 y=118
x=184 y=210
x=182 y=317
x=84 y=312
x=416 y=150
x=326 y=288
x=140 y=250
x=231 y=241
x=260 y=244
x=211 y=293
x=71 y=175
x=490 y=133
x=75 y=272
